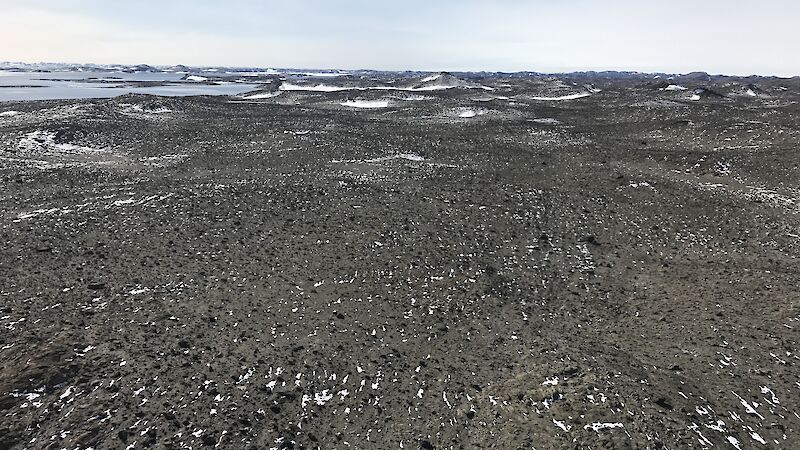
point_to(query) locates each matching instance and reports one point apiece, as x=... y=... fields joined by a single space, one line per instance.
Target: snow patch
x=410 y=157
x=406 y=156
x=413 y=98
x=320 y=398
x=261 y=95
x=564 y=97
x=598 y=426
x=323 y=74
x=551 y=382
x=46 y=140
x=756 y=437
x=133 y=108
x=316 y=88
x=561 y=425
x=66 y=393
x=368 y=104
x=734 y=442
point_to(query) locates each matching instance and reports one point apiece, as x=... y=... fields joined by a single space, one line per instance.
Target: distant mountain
x=694 y=77
x=59 y=67
x=179 y=68
x=454 y=79
x=141 y=68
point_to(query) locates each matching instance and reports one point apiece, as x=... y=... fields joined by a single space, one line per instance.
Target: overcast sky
x=719 y=36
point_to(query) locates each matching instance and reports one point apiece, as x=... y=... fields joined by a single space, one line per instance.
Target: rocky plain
x=579 y=261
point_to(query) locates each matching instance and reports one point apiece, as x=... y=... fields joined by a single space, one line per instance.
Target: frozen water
x=22 y=86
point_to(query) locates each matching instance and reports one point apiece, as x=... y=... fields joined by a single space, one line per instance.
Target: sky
x=736 y=37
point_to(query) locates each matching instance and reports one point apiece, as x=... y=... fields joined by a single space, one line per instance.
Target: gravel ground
x=543 y=265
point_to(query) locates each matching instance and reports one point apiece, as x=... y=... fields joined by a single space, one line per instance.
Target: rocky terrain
x=551 y=262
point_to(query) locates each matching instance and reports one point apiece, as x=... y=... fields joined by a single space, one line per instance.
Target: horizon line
x=555 y=72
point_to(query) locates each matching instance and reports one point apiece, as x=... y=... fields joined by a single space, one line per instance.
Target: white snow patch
x=643 y=184
x=413 y=98
x=66 y=393
x=756 y=437
x=268 y=72
x=196 y=78
x=9 y=113
x=320 y=398
x=765 y=390
x=468 y=114
x=29 y=396
x=133 y=108
x=323 y=74
x=735 y=442
x=597 y=426
x=748 y=408
x=411 y=157
x=674 y=87
x=261 y=95
x=550 y=382
x=46 y=140
x=561 y=425
x=694 y=98
x=164 y=160
x=329 y=88
x=563 y=97
x=370 y=104
x=37 y=212
x=547 y=121
x=316 y=88
x=406 y=156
